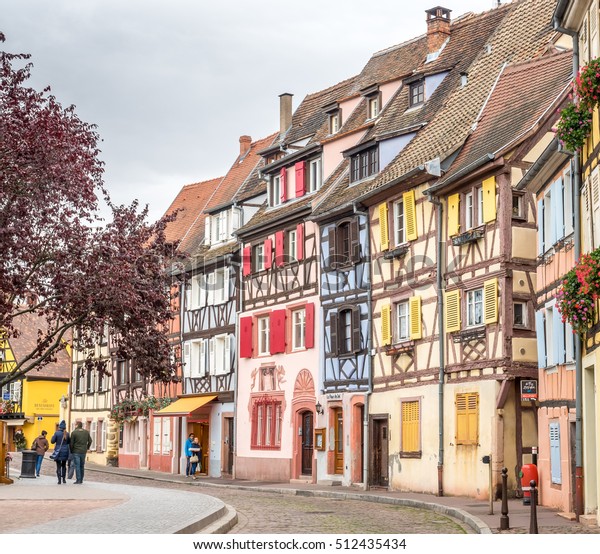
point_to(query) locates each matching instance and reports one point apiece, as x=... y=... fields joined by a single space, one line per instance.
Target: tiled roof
x=191 y=201
x=23 y=345
x=511 y=33
x=522 y=95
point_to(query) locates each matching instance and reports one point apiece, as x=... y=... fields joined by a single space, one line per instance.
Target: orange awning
x=185 y=406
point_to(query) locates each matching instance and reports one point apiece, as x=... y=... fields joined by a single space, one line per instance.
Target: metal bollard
x=504 y=521
x=533 y=526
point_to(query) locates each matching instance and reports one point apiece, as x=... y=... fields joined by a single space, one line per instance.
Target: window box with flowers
x=130 y=410
x=578 y=294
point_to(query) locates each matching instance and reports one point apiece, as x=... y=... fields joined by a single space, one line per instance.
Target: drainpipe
x=238 y=277
x=357 y=211
x=441 y=337
x=578 y=346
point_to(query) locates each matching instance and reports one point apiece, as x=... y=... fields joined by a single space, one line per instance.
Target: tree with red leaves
x=59 y=261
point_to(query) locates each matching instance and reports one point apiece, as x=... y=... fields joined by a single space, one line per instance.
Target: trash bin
x=28 y=464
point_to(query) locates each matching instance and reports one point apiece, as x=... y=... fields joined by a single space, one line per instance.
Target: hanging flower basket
x=574 y=126
x=130 y=410
x=579 y=292
x=587 y=84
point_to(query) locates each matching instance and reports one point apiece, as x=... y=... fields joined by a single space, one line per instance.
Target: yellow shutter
x=410 y=426
x=410 y=215
x=452 y=309
x=383 y=226
x=595 y=126
x=490 y=301
x=414 y=307
x=386 y=327
x=489 y=200
x=467 y=418
x=453 y=215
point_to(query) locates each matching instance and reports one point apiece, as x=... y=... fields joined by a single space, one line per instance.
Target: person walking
x=62 y=439
x=188 y=454
x=40 y=445
x=81 y=440
x=196 y=457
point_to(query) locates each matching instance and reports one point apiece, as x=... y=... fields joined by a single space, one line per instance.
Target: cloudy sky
x=173 y=84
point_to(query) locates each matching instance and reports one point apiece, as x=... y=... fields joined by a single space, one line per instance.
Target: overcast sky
x=173 y=84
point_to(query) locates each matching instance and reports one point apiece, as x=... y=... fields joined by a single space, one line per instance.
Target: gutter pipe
x=560 y=9
x=441 y=337
x=358 y=211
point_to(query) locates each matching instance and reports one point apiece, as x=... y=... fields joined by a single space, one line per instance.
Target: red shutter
x=246 y=337
x=300 y=241
x=283 y=184
x=268 y=253
x=279 y=248
x=247 y=260
x=300 y=175
x=277 y=331
x=309 y=321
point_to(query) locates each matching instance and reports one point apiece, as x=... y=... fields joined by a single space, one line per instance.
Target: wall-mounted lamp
x=319 y=408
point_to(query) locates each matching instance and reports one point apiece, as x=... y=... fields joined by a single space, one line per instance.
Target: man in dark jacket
x=81 y=441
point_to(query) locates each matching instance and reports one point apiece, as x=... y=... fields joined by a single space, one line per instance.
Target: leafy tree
x=59 y=260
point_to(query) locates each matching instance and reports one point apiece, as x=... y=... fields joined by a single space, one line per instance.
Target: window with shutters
x=198 y=355
x=266 y=420
x=299 y=329
x=291 y=246
x=275 y=190
x=258 y=257
x=315 y=175
x=452 y=310
x=399 y=228
x=89 y=381
x=410 y=440
x=93 y=434
x=364 y=164
x=221 y=285
x=555 y=469
x=344 y=245
x=467 y=418
x=198 y=292
x=479 y=206
x=222 y=355
x=469 y=211
x=345 y=334
x=263 y=335
x=402 y=321
x=474 y=307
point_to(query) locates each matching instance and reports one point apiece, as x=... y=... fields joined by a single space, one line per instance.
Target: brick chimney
x=245 y=142
x=285 y=111
x=438 y=28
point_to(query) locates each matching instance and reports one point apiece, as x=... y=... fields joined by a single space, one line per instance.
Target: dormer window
x=373 y=107
x=334 y=122
x=364 y=164
x=220 y=226
x=275 y=190
x=417 y=93
x=315 y=176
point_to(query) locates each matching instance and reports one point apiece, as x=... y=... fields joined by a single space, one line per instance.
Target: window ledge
x=404 y=347
x=468 y=236
x=468 y=335
x=397 y=252
x=417 y=454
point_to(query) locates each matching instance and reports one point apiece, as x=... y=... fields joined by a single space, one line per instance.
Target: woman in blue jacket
x=61 y=439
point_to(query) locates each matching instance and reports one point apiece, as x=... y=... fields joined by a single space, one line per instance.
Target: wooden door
x=339 y=441
x=307 y=443
x=380 y=453
x=230 y=435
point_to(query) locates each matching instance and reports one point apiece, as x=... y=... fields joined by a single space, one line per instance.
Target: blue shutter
x=558 y=330
x=555 y=453
x=557 y=210
x=540 y=214
x=541 y=338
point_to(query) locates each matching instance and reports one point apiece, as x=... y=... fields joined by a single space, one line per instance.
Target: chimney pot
x=245 y=141
x=438 y=28
x=285 y=112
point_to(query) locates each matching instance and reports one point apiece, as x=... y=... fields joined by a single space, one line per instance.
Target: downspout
x=577 y=253
x=441 y=337
x=238 y=278
x=357 y=211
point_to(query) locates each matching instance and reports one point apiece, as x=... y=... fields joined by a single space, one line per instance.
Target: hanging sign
x=529 y=390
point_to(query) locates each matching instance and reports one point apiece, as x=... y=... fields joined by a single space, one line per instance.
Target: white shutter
x=93 y=428
x=584 y=41
x=557 y=210
x=202 y=364
x=593 y=18
x=186 y=359
x=236 y=219
x=226 y=285
x=103 y=436
x=210 y=280
x=207 y=230
x=569 y=344
x=540 y=214
x=558 y=331
x=157 y=434
x=166 y=435
x=211 y=356
x=227 y=354
x=568 y=202
x=587 y=215
x=541 y=338
x=188 y=296
x=595 y=198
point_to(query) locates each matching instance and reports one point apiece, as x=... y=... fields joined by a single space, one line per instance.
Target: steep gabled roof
x=188 y=227
x=524 y=92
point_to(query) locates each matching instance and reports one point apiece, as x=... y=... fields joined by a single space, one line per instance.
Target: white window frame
x=474 y=300
x=523 y=306
x=315 y=175
x=221 y=354
x=479 y=196
x=263 y=337
x=549 y=334
x=334 y=122
x=198 y=365
x=292 y=245
x=374 y=107
x=469 y=211
x=399 y=223
x=220 y=283
x=166 y=444
x=198 y=293
x=299 y=329
x=93 y=433
x=258 y=257
x=548 y=221
x=402 y=321
x=275 y=191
